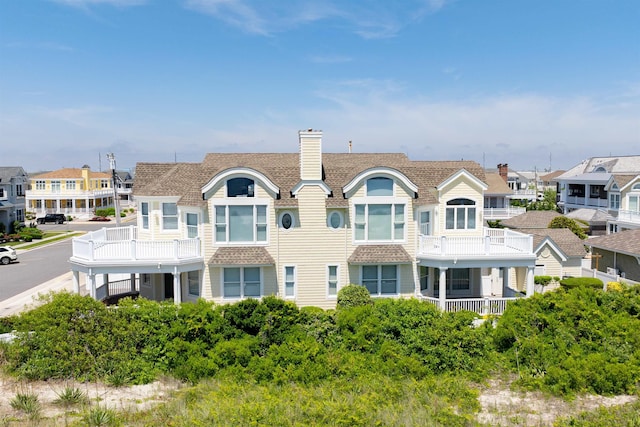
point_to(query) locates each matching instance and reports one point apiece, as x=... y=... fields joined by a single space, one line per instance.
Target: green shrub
x=574 y=282
x=571 y=224
x=542 y=280
x=106 y=212
x=353 y=296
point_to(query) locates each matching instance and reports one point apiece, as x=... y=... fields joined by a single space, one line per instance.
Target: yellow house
x=303 y=225
x=70 y=191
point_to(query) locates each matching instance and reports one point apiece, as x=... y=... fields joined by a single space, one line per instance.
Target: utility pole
x=112 y=165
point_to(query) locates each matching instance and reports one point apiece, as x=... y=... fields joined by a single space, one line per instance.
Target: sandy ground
x=119 y=398
x=500 y=405
x=505 y=407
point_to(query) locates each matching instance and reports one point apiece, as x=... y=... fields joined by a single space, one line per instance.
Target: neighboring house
x=624 y=202
x=585 y=185
x=497 y=199
x=13 y=183
x=548 y=180
x=596 y=219
x=69 y=191
x=303 y=225
x=124 y=187
x=531 y=220
x=559 y=252
x=617 y=254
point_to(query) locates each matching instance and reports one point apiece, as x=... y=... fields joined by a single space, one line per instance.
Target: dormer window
x=461 y=214
x=379 y=186
x=240 y=187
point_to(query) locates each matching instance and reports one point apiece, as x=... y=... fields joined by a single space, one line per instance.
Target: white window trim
x=242 y=296
x=142 y=216
x=240 y=201
x=338 y=286
x=295 y=281
x=379 y=266
x=185 y=214
x=419 y=225
x=617 y=198
x=340 y=214
x=380 y=200
x=476 y=206
x=177 y=216
x=293 y=221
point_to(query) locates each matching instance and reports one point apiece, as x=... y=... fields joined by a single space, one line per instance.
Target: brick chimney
x=503 y=170
x=310 y=155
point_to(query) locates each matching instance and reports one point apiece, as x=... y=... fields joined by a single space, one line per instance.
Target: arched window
x=461 y=214
x=379 y=186
x=240 y=187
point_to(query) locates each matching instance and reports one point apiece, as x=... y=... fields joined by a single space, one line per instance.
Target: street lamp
x=112 y=165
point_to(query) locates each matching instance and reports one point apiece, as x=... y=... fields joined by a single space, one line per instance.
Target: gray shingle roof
x=388 y=254
x=627 y=241
x=283 y=169
x=567 y=242
x=242 y=255
x=530 y=219
x=8 y=172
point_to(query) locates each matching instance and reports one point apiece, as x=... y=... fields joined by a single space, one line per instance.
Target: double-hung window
x=425 y=223
x=332 y=280
x=144 y=213
x=614 y=201
x=242 y=282
x=380 y=279
x=192 y=225
x=70 y=185
x=169 y=216
x=289 y=281
x=41 y=185
x=241 y=223
x=55 y=186
x=379 y=216
x=461 y=214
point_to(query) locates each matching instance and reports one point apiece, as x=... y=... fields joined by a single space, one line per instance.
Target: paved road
x=39 y=265
x=34 y=266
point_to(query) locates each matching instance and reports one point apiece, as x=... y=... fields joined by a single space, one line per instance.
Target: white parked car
x=7 y=255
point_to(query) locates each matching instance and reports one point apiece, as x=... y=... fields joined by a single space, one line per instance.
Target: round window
x=286 y=221
x=335 y=220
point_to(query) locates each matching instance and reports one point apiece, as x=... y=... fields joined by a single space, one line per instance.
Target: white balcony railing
x=121 y=244
x=629 y=216
x=503 y=213
x=481 y=306
x=70 y=194
x=591 y=202
x=496 y=241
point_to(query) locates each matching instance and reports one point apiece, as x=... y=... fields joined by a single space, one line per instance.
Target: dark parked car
x=55 y=218
x=100 y=218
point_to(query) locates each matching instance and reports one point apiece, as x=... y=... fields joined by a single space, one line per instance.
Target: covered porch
x=479 y=273
x=115 y=262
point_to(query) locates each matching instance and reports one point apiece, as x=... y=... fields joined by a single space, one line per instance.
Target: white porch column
x=177 y=289
x=530 y=284
x=92 y=285
x=442 y=296
x=430 y=280
x=133 y=282
x=105 y=280
x=76 y=282
x=506 y=272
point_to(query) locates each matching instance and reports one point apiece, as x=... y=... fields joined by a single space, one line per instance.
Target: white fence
x=496 y=241
x=482 y=306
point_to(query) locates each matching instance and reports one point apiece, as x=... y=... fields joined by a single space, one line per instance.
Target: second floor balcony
x=494 y=242
x=121 y=244
x=503 y=213
x=628 y=216
x=590 y=202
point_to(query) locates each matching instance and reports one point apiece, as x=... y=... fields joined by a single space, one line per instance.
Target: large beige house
x=303 y=225
x=71 y=191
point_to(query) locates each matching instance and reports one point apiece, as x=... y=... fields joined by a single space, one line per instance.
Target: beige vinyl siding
x=462 y=187
x=310 y=246
x=551 y=260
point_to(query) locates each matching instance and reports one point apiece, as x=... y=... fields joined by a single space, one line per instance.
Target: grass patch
x=71 y=396
x=27 y=403
x=62 y=236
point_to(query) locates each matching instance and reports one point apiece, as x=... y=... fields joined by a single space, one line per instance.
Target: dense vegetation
x=364 y=363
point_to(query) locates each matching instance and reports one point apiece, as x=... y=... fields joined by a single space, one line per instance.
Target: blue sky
x=532 y=83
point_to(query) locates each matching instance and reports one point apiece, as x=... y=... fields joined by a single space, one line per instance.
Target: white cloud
x=369 y=19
